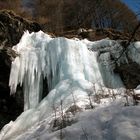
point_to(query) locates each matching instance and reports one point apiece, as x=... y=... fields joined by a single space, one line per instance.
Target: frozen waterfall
x=73 y=69
x=57 y=59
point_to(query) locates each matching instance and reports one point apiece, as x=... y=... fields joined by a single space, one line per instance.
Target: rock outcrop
x=125 y=61
x=12 y=27
x=130 y=74
x=97 y=34
x=129 y=70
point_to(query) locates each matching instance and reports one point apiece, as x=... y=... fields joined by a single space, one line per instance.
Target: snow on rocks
x=78 y=74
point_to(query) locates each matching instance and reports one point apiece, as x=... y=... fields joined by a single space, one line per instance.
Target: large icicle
x=28 y=67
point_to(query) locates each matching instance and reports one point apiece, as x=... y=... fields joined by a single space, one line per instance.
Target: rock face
x=11 y=30
x=124 y=60
x=129 y=72
x=97 y=34
x=13 y=26
x=125 y=63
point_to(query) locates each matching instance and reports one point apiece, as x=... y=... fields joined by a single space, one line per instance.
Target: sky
x=133 y=4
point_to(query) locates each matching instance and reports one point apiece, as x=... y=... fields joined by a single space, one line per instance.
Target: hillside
x=79 y=84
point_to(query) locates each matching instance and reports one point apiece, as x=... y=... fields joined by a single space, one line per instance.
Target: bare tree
x=73 y=14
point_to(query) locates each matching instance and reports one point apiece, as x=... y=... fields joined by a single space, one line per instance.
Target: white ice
x=57 y=59
x=73 y=68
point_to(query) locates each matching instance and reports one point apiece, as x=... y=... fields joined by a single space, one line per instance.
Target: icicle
x=56 y=59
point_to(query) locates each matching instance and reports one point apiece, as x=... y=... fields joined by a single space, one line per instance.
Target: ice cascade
x=57 y=59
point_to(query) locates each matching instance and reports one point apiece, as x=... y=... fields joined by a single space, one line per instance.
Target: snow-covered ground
x=79 y=106
x=113 y=121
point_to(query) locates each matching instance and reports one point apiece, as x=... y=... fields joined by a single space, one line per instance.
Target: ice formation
x=57 y=59
x=72 y=68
